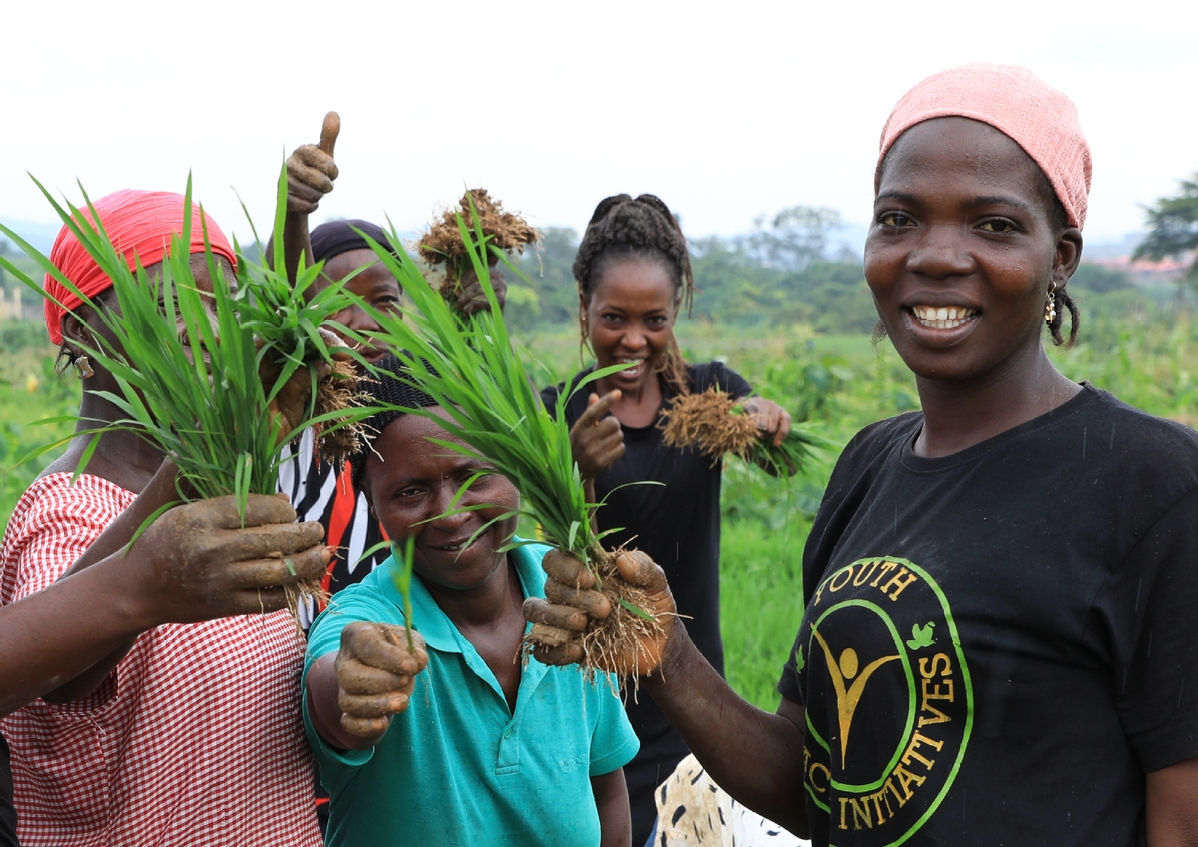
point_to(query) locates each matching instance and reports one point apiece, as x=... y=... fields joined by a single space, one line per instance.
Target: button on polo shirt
x=458 y=766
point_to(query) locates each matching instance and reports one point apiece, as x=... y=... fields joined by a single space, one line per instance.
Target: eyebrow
x=984 y=200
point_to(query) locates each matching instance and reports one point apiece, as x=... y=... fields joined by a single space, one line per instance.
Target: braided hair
x=1058 y=219
x=643 y=228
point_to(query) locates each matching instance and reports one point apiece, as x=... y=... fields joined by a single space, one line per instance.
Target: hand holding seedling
x=375 y=674
x=771 y=418
x=471 y=297
x=597 y=439
x=290 y=406
x=311 y=169
x=199 y=561
x=572 y=600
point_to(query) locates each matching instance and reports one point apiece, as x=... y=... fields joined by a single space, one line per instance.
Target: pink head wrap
x=140 y=224
x=1017 y=103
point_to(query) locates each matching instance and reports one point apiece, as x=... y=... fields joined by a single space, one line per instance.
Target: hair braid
x=1064 y=303
x=624 y=228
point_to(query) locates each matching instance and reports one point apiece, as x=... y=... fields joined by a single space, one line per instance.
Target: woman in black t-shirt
x=633 y=275
x=1000 y=643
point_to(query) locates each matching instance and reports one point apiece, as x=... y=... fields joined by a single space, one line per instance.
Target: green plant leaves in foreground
x=197 y=371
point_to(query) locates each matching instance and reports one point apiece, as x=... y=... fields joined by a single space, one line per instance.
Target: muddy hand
x=471 y=297
x=375 y=675
x=290 y=406
x=204 y=564
x=311 y=169
x=771 y=418
x=597 y=439
x=572 y=601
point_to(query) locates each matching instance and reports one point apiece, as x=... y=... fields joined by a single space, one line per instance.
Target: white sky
x=725 y=110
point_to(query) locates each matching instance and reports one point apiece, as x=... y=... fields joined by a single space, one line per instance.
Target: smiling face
x=630 y=318
x=411 y=482
x=962 y=249
x=376 y=285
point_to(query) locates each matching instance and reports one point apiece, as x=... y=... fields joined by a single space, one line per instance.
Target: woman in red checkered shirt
x=168 y=682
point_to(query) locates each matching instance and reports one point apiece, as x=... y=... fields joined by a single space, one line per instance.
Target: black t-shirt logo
x=888 y=698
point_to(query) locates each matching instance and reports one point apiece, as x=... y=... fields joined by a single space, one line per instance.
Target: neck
x=486 y=604
x=636 y=407
x=123 y=458
x=960 y=414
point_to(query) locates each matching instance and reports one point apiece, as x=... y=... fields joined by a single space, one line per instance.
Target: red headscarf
x=140 y=224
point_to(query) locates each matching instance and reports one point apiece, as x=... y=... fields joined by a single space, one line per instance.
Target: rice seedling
x=443 y=245
x=469 y=367
x=217 y=382
x=717 y=424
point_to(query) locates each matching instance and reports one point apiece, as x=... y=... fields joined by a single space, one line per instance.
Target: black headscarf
x=384 y=387
x=337 y=237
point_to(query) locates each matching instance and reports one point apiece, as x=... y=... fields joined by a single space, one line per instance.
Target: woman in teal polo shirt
x=479 y=747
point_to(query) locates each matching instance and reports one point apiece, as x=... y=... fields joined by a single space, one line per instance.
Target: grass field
x=838 y=383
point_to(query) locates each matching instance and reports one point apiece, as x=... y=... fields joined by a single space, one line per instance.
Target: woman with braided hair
x=634 y=275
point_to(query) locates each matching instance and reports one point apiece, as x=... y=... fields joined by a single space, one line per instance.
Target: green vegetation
x=1173 y=224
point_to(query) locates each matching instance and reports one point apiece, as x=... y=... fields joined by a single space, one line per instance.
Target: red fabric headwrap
x=140 y=224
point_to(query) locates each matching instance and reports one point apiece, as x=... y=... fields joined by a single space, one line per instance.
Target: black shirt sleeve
x=8 y=814
x=549 y=398
x=1149 y=606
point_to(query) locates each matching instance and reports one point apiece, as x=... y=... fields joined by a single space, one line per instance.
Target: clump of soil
x=712 y=422
x=442 y=244
x=337 y=390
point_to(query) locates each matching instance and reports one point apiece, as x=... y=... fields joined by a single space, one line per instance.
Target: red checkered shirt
x=194 y=739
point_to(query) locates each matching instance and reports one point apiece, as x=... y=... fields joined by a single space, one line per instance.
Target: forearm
x=297 y=242
x=1172 y=806
x=61 y=632
x=755 y=756
x=615 y=816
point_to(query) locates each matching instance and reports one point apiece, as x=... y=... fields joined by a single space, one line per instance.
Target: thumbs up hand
x=311 y=169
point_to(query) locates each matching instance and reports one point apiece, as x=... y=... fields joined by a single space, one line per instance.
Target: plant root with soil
x=443 y=244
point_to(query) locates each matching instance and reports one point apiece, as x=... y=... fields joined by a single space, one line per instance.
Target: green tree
x=794 y=238
x=549 y=269
x=1174 y=229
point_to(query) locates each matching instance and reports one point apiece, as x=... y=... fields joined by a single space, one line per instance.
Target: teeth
x=944 y=317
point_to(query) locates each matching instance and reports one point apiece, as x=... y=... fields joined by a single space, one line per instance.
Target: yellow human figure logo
x=845 y=669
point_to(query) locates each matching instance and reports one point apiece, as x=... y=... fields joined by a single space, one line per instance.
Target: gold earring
x=84 y=366
x=1050 y=308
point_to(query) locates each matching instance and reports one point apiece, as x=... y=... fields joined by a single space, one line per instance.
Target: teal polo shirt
x=457 y=767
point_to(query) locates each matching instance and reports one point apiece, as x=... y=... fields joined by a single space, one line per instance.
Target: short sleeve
x=344 y=608
x=613 y=742
x=54 y=527
x=1149 y=606
x=788 y=685
x=718 y=375
x=549 y=398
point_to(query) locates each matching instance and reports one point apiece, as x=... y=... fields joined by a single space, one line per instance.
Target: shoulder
x=54 y=521
x=1135 y=451
x=877 y=440
x=717 y=375
x=57 y=492
x=57 y=509
x=1139 y=433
